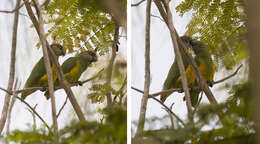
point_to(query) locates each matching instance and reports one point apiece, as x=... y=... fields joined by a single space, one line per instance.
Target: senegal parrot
x=205 y=64
x=38 y=76
x=174 y=73
x=206 y=67
x=73 y=67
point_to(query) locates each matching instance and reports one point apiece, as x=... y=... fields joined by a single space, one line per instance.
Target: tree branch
x=12 y=11
x=178 y=55
x=10 y=109
x=65 y=102
x=12 y=68
x=36 y=113
x=142 y=114
x=162 y=105
x=111 y=64
x=137 y=4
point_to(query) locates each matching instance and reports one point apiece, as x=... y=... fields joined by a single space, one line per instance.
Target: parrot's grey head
x=88 y=56
x=199 y=47
x=187 y=40
x=58 y=49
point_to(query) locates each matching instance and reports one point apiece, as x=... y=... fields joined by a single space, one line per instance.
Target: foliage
x=221 y=26
x=236 y=126
x=79 y=28
x=100 y=89
x=111 y=131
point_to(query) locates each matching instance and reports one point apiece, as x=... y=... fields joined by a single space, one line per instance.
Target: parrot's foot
x=180 y=91
x=44 y=89
x=80 y=83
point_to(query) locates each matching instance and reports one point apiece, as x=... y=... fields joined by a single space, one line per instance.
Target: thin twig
x=33 y=116
x=228 y=77
x=179 y=119
x=10 y=109
x=12 y=11
x=137 y=4
x=157 y=17
x=36 y=113
x=65 y=102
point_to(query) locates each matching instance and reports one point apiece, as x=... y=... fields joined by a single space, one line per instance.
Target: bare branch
x=36 y=113
x=65 y=102
x=137 y=4
x=157 y=17
x=10 y=109
x=33 y=116
x=12 y=11
x=12 y=69
x=142 y=114
x=228 y=77
x=169 y=110
x=161 y=104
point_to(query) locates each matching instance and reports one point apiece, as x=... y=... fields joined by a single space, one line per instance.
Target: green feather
x=33 y=81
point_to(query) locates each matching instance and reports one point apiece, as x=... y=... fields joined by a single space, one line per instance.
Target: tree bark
x=254 y=43
x=141 y=121
x=12 y=68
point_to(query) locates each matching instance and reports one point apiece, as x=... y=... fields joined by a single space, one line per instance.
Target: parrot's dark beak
x=94 y=59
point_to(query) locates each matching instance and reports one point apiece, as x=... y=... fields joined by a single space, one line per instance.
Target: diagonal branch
x=46 y=59
x=177 y=52
x=60 y=74
x=137 y=4
x=12 y=69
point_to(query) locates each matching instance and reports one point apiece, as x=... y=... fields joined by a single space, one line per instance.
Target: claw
x=80 y=83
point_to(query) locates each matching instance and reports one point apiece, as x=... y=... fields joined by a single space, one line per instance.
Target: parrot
x=73 y=67
x=38 y=76
x=205 y=64
x=174 y=73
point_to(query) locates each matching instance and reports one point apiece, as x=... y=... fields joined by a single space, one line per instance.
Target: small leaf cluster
x=221 y=26
x=79 y=28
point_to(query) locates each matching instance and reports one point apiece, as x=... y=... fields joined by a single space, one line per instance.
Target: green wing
x=172 y=77
x=36 y=74
x=73 y=68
